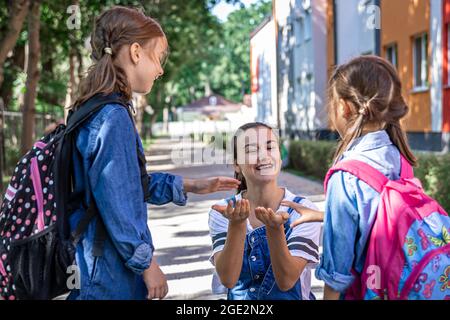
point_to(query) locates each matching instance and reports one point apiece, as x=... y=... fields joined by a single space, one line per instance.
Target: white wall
x=354 y=37
x=264 y=51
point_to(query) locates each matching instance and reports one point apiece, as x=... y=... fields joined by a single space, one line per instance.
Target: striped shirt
x=302 y=242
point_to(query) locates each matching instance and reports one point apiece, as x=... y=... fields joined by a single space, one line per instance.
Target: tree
x=223 y=60
x=29 y=105
x=19 y=10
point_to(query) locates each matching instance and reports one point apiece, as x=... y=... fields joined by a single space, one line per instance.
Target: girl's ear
x=135 y=52
x=237 y=168
x=344 y=108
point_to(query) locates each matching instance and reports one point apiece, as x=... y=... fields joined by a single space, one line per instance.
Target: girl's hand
x=210 y=185
x=237 y=214
x=156 y=281
x=308 y=215
x=270 y=218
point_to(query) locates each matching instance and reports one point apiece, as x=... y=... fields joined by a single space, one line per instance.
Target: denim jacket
x=106 y=166
x=350 y=210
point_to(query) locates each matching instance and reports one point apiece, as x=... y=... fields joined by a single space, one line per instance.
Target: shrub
x=311 y=157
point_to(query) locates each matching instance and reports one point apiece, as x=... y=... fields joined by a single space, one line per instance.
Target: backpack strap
x=91 y=106
x=407 y=171
x=362 y=171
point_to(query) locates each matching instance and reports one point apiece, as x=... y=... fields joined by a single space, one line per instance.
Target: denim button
x=253 y=258
x=252 y=289
x=257 y=277
x=253 y=239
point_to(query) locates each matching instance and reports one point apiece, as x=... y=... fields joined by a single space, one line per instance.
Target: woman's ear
x=135 y=52
x=237 y=169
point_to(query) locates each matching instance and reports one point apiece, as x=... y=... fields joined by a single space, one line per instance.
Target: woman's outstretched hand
x=308 y=215
x=210 y=185
x=239 y=213
x=270 y=218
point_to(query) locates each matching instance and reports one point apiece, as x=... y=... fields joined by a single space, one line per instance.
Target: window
x=307 y=23
x=392 y=55
x=420 y=62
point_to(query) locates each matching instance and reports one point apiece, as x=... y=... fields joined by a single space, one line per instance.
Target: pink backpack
x=408 y=252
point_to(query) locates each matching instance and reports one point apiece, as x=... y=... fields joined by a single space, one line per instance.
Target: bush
x=434 y=173
x=315 y=158
x=311 y=157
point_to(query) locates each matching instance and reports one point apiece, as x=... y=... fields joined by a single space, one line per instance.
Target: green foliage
x=434 y=173
x=315 y=158
x=221 y=59
x=311 y=157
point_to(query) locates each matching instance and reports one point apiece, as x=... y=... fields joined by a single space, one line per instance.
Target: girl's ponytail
x=398 y=137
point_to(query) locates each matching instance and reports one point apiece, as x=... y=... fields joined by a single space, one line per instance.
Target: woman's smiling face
x=258 y=155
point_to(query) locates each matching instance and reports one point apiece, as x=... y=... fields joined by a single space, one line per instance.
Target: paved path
x=180 y=234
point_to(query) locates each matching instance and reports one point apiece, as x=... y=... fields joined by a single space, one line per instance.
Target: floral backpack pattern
x=408 y=252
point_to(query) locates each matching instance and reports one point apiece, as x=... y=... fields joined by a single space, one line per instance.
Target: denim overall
x=257 y=280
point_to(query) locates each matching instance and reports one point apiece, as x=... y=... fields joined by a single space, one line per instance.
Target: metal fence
x=13 y=124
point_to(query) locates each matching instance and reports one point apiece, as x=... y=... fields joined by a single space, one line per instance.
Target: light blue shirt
x=350 y=210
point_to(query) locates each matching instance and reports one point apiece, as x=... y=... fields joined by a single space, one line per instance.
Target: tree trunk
x=19 y=11
x=29 y=105
x=16 y=63
x=70 y=93
x=141 y=103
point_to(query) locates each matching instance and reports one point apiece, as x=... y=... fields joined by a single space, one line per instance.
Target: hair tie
x=364 y=110
x=108 y=50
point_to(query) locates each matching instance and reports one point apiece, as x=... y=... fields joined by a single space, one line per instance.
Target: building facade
x=302 y=74
x=311 y=37
x=414 y=42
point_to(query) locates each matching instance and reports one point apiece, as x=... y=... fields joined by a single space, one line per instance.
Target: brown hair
x=371 y=87
x=114 y=28
x=242 y=129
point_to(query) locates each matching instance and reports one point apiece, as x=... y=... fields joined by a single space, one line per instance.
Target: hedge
x=315 y=157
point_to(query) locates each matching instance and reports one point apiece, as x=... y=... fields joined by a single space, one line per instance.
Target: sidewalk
x=180 y=234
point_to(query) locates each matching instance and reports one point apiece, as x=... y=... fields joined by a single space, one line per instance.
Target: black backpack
x=36 y=245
